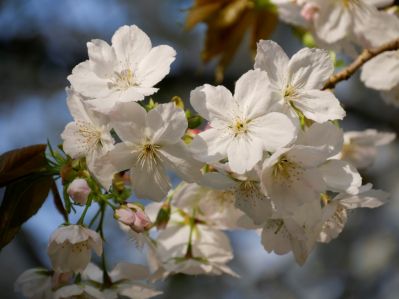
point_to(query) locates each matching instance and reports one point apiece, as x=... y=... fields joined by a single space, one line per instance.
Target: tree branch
x=365 y=56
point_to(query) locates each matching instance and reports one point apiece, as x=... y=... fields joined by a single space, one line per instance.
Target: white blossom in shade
x=297 y=233
x=126 y=281
x=336 y=209
x=297 y=175
x=290 y=12
x=151 y=144
x=246 y=193
x=209 y=252
x=358 y=21
x=297 y=82
x=125 y=71
x=360 y=147
x=243 y=126
x=70 y=248
x=214 y=207
x=88 y=136
x=382 y=73
x=79 y=291
x=35 y=284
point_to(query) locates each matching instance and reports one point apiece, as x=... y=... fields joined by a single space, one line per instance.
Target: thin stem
x=364 y=57
x=88 y=204
x=95 y=217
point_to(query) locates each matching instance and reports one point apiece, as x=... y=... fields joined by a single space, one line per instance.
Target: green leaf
x=22 y=199
x=18 y=163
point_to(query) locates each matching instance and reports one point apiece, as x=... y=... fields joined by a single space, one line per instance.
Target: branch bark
x=365 y=56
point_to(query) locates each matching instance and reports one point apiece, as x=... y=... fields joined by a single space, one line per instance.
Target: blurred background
x=42 y=40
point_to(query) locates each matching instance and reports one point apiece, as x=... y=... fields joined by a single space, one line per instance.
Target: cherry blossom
x=125 y=71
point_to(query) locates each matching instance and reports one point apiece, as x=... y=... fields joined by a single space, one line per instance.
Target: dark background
x=42 y=40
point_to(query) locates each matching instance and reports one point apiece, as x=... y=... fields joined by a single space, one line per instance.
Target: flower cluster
x=350 y=24
x=270 y=158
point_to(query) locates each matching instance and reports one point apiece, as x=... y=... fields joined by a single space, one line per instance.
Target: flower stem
x=364 y=57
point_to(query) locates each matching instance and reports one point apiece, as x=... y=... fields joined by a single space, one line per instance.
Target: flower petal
x=102 y=58
x=319 y=106
x=310 y=68
x=270 y=57
x=244 y=152
x=210 y=145
x=212 y=102
x=253 y=94
x=168 y=123
x=155 y=66
x=275 y=129
x=340 y=176
x=131 y=45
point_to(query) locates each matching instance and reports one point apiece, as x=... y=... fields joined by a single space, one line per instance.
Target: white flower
x=297 y=82
x=356 y=20
x=245 y=192
x=215 y=207
x=360 y=147
x=297 y=233
x=88 y=136
x=209 y=252
x=290 y=12
x=78 y=291
x=336 y=209
x=35 y=284
x=242 y=126
x=70 y=248
x=382 y=73
x=123 y=72
x=125 y=279
x=151 y=144
x=297 y=175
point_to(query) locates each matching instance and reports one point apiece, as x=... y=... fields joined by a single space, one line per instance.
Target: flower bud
x=133 y=216
x=79 y=191
x=310 y=11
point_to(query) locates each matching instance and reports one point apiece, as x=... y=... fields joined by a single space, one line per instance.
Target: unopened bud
x=134 y=216
x=79 y=191
x=310 y=11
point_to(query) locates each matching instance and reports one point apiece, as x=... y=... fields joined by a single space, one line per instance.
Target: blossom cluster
x=347 y=25
x=271 y=158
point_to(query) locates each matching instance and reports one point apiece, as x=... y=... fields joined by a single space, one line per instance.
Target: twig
x=365 y=56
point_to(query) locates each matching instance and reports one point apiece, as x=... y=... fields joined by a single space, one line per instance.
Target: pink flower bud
x=133 y=216
x=310 y=11
x=125 y=215
x=79 y=191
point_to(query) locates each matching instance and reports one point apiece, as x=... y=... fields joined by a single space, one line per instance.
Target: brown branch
x=365 y=56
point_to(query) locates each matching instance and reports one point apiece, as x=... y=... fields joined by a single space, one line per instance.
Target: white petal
x=333 y=22
x=102 y=58
x=275 y=129
x=76 y=106
x=307 y=156
x=212 y=102
x=155 y=66
x=101 y=167
x=253 y=203
x=319 y=106
x=340 y=176
x=129 y=271
x=139 y=291
x=325 y=135
x=168 y=123
x=244 y=153
x=73 y=145
x=382 y=72
x=253 y=94
x=210 y=145
x=179 y=159
x=129 y=121
x=149 y=180
x=270 y=57
x=86 y=82
x=131 y=45
x=123 y=156
x=275 y=237
x=310 y=68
